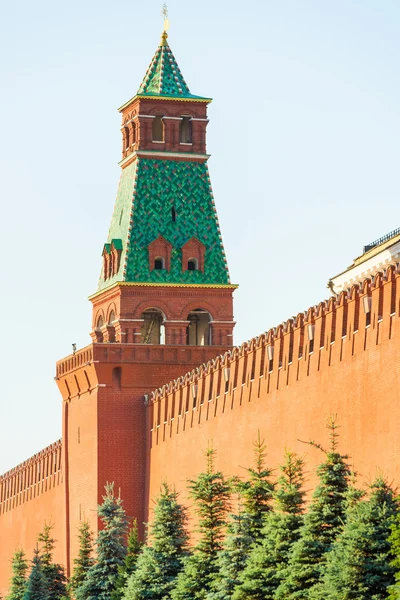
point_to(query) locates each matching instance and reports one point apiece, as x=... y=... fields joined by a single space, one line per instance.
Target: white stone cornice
x=357 y=273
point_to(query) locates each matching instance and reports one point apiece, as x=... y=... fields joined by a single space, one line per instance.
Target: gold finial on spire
x=164 y=12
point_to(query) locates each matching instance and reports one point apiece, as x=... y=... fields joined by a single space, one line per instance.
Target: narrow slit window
x=173 y=214
x=185 y=134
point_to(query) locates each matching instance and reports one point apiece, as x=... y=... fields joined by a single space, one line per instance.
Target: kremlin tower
x=164 y=299
x=161 y=379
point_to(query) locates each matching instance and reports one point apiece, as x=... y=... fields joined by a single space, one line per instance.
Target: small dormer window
x=185 y=132
x=192 y=264
x=158 y=129
x=159 y=263
x=159 y=254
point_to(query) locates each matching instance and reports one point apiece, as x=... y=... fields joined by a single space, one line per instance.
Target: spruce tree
x=19 y=566
x=128 y=567
x=323 y=522
x=233 y=557
x=395 y=549
x=211 y=495
x=111 y=551
x=36 y=587
x=359 y=565
x=85 y=559
x=266 y=563
x=53 y=573
x=257 y=491
x=162 y=559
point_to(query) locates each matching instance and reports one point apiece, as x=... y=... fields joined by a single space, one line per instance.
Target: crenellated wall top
x=267 y=338
x=33 y=460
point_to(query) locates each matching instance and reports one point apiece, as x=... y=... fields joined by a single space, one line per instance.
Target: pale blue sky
x=304 y=137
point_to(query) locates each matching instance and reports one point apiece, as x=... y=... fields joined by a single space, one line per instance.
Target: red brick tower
x=164 y=299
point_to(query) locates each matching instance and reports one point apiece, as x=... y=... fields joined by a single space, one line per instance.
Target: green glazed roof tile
x=147 y=192
x=164 y=77
x=117 y=244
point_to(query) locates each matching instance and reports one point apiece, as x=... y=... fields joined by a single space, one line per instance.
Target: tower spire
x=164 y=239
x=164 y=35
x=164 y=12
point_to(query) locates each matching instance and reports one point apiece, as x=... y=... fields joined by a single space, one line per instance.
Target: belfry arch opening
x=99 y=325
x=153 y=330
x=198 y=331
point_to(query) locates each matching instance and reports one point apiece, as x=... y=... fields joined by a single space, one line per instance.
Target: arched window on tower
x=158 y=129
x=153 y=331
x=99 y=325
x=198 y=331
x=159 y=263
x=133 y=133
x=111 y=328
x=185 y=130
x=193 y=264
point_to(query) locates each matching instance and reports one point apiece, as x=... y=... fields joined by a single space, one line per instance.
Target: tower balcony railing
x=74 y=361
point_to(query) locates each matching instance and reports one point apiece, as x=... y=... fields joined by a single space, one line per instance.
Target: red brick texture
x=176 y=302
x=103 y=388
x=31 y=495
x=137 y=117
x=352 y=371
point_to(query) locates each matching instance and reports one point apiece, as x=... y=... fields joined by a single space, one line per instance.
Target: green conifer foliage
x=359 y=565
x=134 y=549
x=85 y=559
x=129 y=565
x=53 y=573
x=267 y=560
x=233 y=557
x=257 y=491
x=211 y=494
x=111 y=551
x=323 y=522
x=19 y=566
x=162 y=559
x=395 y=549
x=36 y=588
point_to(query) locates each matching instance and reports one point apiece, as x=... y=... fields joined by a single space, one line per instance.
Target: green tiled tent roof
x=164 y=77
x=148 y=190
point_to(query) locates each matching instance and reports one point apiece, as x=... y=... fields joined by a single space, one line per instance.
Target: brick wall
x=31 y=495
x=279 y=384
